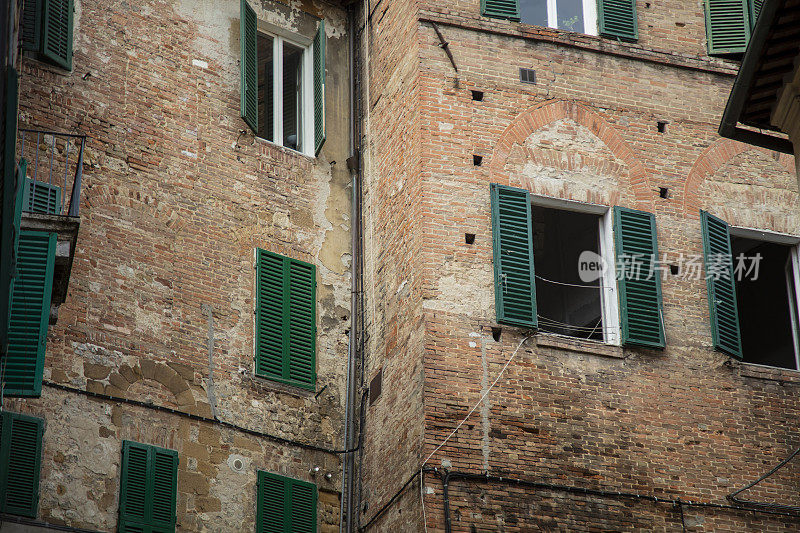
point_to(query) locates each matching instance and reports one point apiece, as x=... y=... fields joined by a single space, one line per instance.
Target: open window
x=283 y=83
x=571 y=15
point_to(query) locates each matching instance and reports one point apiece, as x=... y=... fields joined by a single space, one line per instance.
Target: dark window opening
x=766 y=303
x=265 y=104
x=566 y=304
x=661 y=126
x=292 y=78
x=477 y=160
x=469 y=238
x=527 y=75
x=663 y=192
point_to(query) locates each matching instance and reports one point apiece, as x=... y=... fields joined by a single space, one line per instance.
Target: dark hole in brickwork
x=674 y=270
x=662 y=126
x=663 y=192
x=477 y=160
x=375 y=386
x=496 y=334
x=477 y=96
x=469 y=238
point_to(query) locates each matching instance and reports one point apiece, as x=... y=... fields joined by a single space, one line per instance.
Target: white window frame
x=589 y=16
x=794 y=259
x=609 y=301
x=306 y=111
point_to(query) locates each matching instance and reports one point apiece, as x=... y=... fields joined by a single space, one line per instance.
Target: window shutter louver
x=164 y=471
x=512 y=236
x=727 y=26
x=303 y=504
x=30 y=314
x=285 y=505
x=286 y=320
x=133 y=486
x=41 y=197
x=248 y=64
x=319 y=88
x=56 y=35
x=722 y=305
x=501 y=9
x=617 y=19
x=755 y=10
x=147 y=489
x=31 y=25
x=639 y=281
x=20 y=461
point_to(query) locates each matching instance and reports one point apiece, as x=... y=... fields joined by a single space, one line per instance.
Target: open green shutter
x=755 y=10
x=727 y=26
x=20 y=459
x=512 y=239
x=639 y=279
x=30 y=314
x=272 y=505
x=302 y=323
x=248 y=64
x=164 y=480
x=722 y=306
x=8 y=167
x=56 y=35
x=41 y=197
x=31 y=27
x=617 y=19
x=319 y=88
x=134 y=488
x=500 y=9
x=270 y=314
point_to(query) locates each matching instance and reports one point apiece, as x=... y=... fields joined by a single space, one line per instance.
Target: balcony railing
x=54 y=171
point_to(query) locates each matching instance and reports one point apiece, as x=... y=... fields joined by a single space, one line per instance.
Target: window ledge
x=286 y=149
x=752 y=370
x=262 y=385
x=561 y=342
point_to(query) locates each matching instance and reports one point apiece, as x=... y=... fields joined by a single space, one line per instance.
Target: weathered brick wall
x=177 y=193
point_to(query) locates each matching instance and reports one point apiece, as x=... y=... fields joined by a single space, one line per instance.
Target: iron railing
x=50 y=157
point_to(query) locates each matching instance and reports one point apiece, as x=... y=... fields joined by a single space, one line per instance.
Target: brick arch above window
x=540 y=115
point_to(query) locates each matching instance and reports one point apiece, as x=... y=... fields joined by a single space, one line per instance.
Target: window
x=285 y=344
x=20 y=459
x=147 y=488
x=610 y=18
x=47 y=30
x=574 y=290
x=285 y=504
x=283 y=83
x=753 y=279
x=729 y=24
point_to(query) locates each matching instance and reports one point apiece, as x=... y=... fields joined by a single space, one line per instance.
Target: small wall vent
x=375 y=386
x=527 y=75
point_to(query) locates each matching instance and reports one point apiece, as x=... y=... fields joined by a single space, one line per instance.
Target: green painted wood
x=727 y=26
x=148 y=488
x=319 y=87
x=56 y=37
x=285 y=505
x=8 y=208
x=285 y=320
x=31 y=27
x=512 y=239
x=41 y=197
x=302 y=498
x=755 y=10
x=30 y=314
x=617 y=19
x=248 y=64
x=501 y=9
x=639 y=281
x=722 y=305
x=20 y=462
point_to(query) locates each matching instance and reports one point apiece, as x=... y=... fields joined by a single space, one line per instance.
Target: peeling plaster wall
x=176 y=195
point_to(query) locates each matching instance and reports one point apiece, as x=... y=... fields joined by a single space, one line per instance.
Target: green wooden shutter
x=248 y=64
x=30 y=314
x=512 y=239
x=56 y=38
x=617 y=19
x=639 y=279
x=20 y=461
x=31 y=29
x=727 y=26
x=500 y=9
x=755 y=10
x=8 y=166
x=41 y=197
x=147 y=497
x=722 y=306
x=285 y=505
x=319 y=88
x=285 y=320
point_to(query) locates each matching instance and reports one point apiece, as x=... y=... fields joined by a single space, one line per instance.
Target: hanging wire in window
x=545 y=322
x=582 y=286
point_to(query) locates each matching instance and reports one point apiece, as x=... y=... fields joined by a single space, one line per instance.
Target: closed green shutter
x=755 y=10
x=30 y=314
x=319 y=88
x=20 y=460
x=500 y=9
x=248 y=64
x=512 y=240
x=56 y=38
x=31 y=27
x=41 y=197
x=147 y=488
x=285 y=505
x=617 y=19
x=722 y=307
x=285 y=320
x=727 y=26
x=639 y=279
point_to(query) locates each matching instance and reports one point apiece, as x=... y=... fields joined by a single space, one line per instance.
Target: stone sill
x=561 y=342
x=261 y=385
x=751 y=370
x=579 y=40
